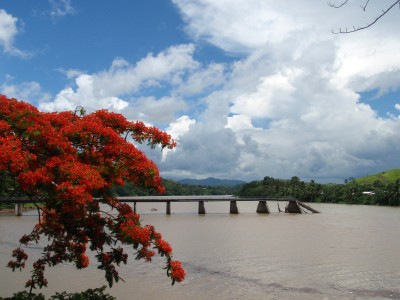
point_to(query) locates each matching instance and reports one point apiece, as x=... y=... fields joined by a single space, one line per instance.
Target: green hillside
x=389 y=176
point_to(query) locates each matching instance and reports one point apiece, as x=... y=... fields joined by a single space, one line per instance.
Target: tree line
x=351 y=192
x=173 y=188
x=377 y=193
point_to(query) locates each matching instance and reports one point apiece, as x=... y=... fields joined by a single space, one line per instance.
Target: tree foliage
x=173 y=188
x=90 y=294
x=70 y=161
x=378 y=193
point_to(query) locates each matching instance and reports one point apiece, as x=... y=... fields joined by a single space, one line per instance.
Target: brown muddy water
x=346 y=252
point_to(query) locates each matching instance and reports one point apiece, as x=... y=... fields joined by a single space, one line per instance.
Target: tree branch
x=384 y=12
x=365 y=5
x=38 y=210
x=337 y=6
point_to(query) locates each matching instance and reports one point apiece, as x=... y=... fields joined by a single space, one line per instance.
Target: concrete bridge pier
x=168 y=207
x=202 y=209
x=233 y=208
x=262 y=207
x=18 y=209
x=293 y=207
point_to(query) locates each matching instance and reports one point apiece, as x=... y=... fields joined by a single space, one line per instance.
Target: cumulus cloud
x=204 y=79
x=286 y=103
x=177 y=129
x=8 y=31
x=85 y=95
x=366 y=65
x=111 y=88
x=152 y=110
x=150 y=71
x=290 y=103
x=236 y=26
x=27 y=91
x=205 y=151
x=180 y=126
x=272 y=98
x=239 y=122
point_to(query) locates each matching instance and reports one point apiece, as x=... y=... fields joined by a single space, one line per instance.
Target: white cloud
x=204 y=151
x=287 y=104
x=106 y=89
x=70 y=73
x=237 y=26
x=27 y=91
x=177 y=129
x=366 y=65
x=239 y=122
x=271 y=99
x=61 y=8
x=180 y=126
x=152 y=110
x=8 y=31
x=251 y=26
x=150 y=71
x=202 y=80
x=85 y=96
x=290 y=104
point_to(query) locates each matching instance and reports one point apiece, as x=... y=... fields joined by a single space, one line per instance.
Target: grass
x=389 y=176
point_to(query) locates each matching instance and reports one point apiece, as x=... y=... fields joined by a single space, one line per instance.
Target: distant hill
x=210 y=181
x=389 y=176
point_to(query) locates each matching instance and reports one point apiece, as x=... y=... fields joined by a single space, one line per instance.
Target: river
x=345 y=252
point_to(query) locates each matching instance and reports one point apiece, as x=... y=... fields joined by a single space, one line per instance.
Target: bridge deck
x=293 y=204
x=206 y=198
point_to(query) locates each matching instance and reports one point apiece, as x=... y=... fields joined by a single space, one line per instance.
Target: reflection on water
x=346 y=252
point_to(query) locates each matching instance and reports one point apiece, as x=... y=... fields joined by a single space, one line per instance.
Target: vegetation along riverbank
x=378 y=189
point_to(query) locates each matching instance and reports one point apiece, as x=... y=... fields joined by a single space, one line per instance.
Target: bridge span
x=293 y=205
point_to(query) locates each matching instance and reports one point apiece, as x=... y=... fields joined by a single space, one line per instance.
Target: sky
x=248 y=88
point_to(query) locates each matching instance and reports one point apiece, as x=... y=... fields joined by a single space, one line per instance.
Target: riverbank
x=11 y=210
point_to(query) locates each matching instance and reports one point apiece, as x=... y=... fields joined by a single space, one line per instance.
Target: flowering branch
x=65 y=159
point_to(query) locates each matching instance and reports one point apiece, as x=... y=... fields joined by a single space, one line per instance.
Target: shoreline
x=11 y=211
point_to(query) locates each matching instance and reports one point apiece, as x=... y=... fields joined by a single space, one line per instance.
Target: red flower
x=164 y=247
x=83 y=261
x=177 y=272
x=146 y=254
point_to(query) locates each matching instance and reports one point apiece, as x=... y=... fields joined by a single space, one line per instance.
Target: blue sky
x=249 y=88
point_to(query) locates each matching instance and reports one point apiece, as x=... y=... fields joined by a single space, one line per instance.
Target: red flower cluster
x=20 y=258
x=64 y=160
x=177 y=272
x=164 y=247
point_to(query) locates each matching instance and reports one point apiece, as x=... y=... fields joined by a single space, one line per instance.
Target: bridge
x=293 y=205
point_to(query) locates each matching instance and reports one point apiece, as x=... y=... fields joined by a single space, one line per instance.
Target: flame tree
x=69 y=162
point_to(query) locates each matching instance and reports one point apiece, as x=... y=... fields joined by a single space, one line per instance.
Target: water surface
x=346 y=252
